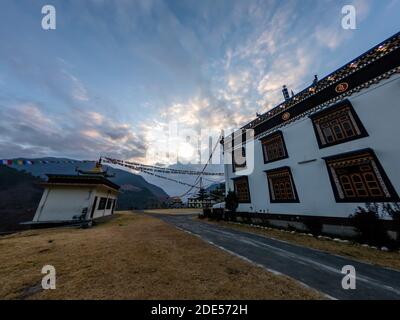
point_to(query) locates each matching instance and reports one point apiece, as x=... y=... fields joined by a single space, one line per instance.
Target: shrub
x=229 y=216
x=369 y=226
x=217 y=214
x=265 y=223
x=231 y=201
x=393 y=210
x=313 y=225
x=206 y=212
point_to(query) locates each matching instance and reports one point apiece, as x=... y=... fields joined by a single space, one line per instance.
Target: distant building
x=326 y=150
x=82 y=197
x=200 y=203
x=174 y=202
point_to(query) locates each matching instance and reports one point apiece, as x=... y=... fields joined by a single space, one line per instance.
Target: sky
x=114 y=77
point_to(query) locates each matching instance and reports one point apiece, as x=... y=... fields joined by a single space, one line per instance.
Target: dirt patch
x=133 y=257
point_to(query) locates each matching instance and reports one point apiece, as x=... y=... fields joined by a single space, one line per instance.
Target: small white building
x=82 y=197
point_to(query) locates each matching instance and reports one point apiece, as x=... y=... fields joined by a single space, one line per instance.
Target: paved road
x=319 y=270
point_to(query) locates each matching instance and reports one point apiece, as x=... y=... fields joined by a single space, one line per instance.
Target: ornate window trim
x=277 y=134
x=281 y=171
x=344 y=114
x=360 y=157
x=246 y=179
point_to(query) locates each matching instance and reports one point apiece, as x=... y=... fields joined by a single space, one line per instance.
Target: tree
x=393 y=209
x=231 y=201
x=368 y=223
x=202 y=194
x=217 y=194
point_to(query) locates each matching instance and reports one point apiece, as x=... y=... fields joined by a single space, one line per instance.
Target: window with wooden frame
x=274 y=147
x=242 y=189
x=109 y=203
x=337 y=124
x=281 y=186
x=359 y=177
x=102 y=204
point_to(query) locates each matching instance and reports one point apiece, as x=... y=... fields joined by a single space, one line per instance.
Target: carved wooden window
x=274 y=148
x=359 y=177
x=337 y=124
x=242 y=190
x=281 y=185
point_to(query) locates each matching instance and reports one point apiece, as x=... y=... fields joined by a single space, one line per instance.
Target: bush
x=206 y=212
x=229 y=216
x=369 y=226
x=393 y=209
x=217 y=214
x=291 y=227
x=265 y=223
x=231 y=201
x=314 y=226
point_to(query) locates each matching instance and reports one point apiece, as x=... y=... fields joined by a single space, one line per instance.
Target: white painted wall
x=378 y=108
x=62 y=203
x=102 y=193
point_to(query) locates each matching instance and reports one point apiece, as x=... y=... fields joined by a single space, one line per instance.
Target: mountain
x=136 y=192
x=175 y=189
x=161 y=188
x=216 y=186
x=19 y=197
x=121 y=178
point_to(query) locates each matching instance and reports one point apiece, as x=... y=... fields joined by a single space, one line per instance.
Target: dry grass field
x=350 y=250
x=133 y=256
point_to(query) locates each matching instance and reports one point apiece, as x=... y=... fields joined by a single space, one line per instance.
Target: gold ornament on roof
x=342 y=87
x=98 y=168
x=286 y=116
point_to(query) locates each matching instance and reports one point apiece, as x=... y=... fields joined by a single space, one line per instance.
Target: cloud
x=290 y=69
x=197 y=119
x=331 y=38
x=78 y=90
x=363 y=8
x=48 y=75
x=249 y=79
x=239 y=83
x=330 y=34
x=228 y=56
x=140 y=65
x=95 y=117
x=25 y=128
